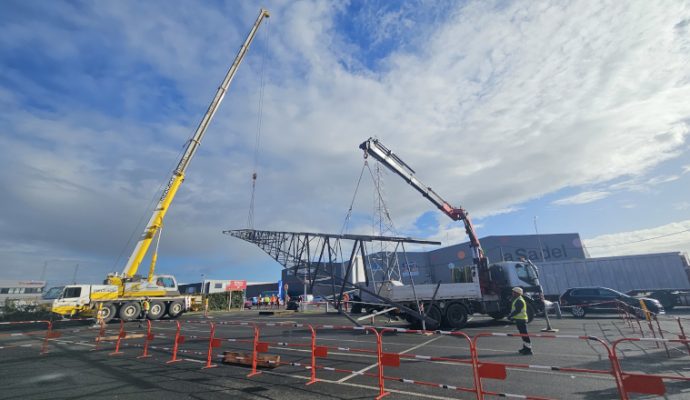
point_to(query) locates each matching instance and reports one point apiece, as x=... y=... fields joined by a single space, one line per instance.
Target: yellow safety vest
x=146 y=305
x=523 y=313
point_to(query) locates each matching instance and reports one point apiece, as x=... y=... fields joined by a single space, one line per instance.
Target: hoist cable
x=259 y=124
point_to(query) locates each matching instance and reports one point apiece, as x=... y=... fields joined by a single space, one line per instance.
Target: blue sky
x=575 y=113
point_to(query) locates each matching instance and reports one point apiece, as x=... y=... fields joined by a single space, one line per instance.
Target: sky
x=559 y=116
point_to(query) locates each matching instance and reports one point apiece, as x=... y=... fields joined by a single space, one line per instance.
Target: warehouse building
x=561 y=258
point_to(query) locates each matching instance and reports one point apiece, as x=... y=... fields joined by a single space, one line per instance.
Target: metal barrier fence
x=498 y=371
x=642 y=382
x=479 y=369
x=49 y=333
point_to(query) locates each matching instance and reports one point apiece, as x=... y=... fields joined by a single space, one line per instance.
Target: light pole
x=303 y=304
x=541 y=289
x=74 y=278
x=541 y=249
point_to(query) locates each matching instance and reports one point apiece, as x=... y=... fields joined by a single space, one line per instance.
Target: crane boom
x=372 y=147
x=156 y=221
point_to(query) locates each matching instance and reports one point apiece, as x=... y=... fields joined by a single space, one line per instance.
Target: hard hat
x=518 y=290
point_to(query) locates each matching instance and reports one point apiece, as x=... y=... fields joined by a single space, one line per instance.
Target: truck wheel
x=530 y=313
x=175 y=308
x=156 y=311
x=456 y=316
x=108 y=312
x=434 y=313
x=130 y=311
x=497 y=315
x=578 y=312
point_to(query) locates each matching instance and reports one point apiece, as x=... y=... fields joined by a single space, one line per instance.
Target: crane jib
x=385 y=156
x=156 y=221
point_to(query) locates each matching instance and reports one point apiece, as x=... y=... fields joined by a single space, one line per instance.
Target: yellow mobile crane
x=122 y=294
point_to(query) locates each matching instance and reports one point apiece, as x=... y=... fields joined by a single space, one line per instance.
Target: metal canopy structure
x=319 y=259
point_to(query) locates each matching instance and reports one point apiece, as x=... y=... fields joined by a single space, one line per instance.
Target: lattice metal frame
x=315 y=253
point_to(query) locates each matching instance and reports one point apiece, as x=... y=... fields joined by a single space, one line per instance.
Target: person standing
x=145 y=308
x=518 y=313
x=346 y=300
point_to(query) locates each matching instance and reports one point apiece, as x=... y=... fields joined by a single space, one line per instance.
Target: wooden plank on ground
x=262 y=360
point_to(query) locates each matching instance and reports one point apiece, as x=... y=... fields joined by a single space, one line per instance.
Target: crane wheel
x=175 y=308
x=130 y=311
x=108 y=312
x=156 y=311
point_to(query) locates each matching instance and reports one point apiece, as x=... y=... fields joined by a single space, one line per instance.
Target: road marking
x=374 y=365
x=589 y=357
x=404 y=392
x=72 y=342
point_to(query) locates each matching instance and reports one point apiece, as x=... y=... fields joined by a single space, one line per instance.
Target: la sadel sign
x=236 y=285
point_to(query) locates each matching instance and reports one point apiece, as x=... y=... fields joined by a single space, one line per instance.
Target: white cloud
x=671 y=237
x=681 y=206
x=582 y=198
x=493 y=106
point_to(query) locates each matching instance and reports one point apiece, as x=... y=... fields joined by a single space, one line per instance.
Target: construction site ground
x=72 y=369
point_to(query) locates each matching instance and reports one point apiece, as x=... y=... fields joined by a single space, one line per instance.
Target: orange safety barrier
x=627 y=382
x=393 y=359
x=178 y=340
x=322 y=351
x=149 y=337
x=682 y=334
x=498 y=370
x=641 y=382
x=50 y=334
x=120 y=335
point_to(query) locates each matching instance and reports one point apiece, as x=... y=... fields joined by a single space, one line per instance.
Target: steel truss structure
x=318 y=259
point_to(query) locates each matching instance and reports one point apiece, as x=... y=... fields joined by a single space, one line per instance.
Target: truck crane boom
x=125 y=295
x=372 y=147
x=156 y=222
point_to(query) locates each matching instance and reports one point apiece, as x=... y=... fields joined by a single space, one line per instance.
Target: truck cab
x=77 y=298
x=160 y=285
x=509 y=274
x=506 y=275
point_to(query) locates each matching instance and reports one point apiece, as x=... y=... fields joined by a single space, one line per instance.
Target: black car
x=582 y=300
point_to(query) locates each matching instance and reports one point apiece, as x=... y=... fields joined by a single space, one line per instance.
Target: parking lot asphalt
x=568 y=367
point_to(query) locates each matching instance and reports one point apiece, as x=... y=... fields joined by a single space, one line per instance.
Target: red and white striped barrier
x=641 y=382
x=498 y=370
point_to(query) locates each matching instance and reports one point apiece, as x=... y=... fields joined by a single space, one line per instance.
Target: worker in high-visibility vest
x=145 y=308
x=518 y=313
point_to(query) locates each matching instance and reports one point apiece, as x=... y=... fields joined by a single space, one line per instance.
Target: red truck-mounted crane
x=478 y=288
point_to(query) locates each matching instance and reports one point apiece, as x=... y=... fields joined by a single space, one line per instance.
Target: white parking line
x=481 y=349
x=72 y=342
x=404 y=392
x=374 y=365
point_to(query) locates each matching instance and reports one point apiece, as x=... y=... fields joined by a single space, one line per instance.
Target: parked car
x=583 y=300
x=669 y=298
x=248 y=304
